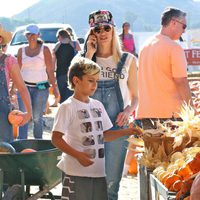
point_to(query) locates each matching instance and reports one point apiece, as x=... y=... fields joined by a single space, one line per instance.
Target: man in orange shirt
x=162 y=78
x=162 y=74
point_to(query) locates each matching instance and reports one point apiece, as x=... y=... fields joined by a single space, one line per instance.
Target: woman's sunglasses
x=98 y=29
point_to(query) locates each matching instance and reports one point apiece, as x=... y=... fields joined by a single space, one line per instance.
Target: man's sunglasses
x=184 y=25
x=98 y=29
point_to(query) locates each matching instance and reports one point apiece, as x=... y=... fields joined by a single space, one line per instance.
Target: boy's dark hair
x=170 y=13
x=79 y=67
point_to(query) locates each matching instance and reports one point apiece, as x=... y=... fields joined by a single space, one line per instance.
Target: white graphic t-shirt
x=108 y=69
x=83 y=125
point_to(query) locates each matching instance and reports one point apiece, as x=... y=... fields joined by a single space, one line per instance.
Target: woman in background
x=35 y=61
x=127 y=39
x=63 y=53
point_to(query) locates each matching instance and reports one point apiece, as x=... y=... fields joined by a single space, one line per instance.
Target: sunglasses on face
x=29 y=34
x=183 y=25
x=98 y=29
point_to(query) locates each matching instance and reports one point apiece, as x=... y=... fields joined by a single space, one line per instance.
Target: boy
x=80 y=128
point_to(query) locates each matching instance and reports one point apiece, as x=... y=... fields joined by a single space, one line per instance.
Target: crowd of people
x=99 y=90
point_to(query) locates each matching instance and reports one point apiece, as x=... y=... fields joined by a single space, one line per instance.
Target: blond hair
x=79 y=67
x=116 y=45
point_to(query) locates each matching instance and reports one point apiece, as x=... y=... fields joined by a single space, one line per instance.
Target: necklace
x=32 y=51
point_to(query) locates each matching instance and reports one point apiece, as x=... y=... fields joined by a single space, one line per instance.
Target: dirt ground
x=129 y=184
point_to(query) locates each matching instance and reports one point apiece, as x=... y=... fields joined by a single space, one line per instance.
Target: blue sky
x=12 y=7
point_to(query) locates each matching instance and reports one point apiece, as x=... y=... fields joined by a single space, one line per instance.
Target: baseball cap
x=32 y=28
x=100 y=17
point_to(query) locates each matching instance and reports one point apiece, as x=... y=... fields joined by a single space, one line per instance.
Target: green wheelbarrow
x=23 y=170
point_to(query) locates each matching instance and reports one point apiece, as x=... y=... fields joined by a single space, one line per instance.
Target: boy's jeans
x=108 y=92
x=38 y=101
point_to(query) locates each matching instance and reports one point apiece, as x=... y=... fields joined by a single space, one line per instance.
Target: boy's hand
x=137 y=131
x=84 y=159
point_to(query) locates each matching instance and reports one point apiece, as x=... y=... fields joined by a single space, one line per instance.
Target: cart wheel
x=13 y=193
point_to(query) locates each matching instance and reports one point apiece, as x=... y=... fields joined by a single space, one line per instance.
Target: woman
x=63 y=53
x=127 y=39
x=9 y=69
x=37 y=71
x=117 y=88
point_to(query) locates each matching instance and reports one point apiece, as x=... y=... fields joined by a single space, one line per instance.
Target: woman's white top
x=108 y=67
x=33 y=68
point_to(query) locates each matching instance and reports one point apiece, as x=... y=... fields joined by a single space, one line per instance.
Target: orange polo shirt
x=161 y=59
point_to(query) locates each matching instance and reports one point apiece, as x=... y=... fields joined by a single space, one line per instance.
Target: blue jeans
x=38 y=101
x=65 y=92
x=108 y=92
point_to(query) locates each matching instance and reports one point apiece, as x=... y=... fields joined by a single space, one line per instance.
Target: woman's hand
x=56 y=92
x=91 y=46
x=26 y=118
x=123 y=117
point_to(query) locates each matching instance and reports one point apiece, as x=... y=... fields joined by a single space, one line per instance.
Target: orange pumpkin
x=133 y=169
x=177 y=185
x=164 y=177
x=28 y=150
x=171 y=180
x=184 y=172
x=15 y=117
x=194 y=165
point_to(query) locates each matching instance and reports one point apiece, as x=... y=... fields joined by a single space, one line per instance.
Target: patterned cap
x=100 y=17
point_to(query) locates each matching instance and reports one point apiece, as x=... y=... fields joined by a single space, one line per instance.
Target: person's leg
x=23 y=130
x=109 y=94
x=39 y=99
x=115 y=153
x=99 y=189
x=63 y=89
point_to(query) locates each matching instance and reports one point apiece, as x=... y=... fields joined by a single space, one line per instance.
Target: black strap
x=121 y=64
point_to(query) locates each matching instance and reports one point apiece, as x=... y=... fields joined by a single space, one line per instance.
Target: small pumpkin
x=177 y=186
x=15 y=117
x=28 y=150
x=171 y=180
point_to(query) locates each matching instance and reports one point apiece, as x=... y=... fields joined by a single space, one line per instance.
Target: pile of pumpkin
x=171 y=137
x=173 y=151
x=177 y=175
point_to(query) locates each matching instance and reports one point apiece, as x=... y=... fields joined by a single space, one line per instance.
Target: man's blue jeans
x=64 y=91
x=38 y=101
x=108 y=92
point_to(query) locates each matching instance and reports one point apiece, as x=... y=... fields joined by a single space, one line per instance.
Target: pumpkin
x=15 y=117
x=194 y=165
x=6 y=148
x=28 y=150
x=133 y=169
x=177 y=186
x=164 y=177
x=184 y=172
x=171 y=180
